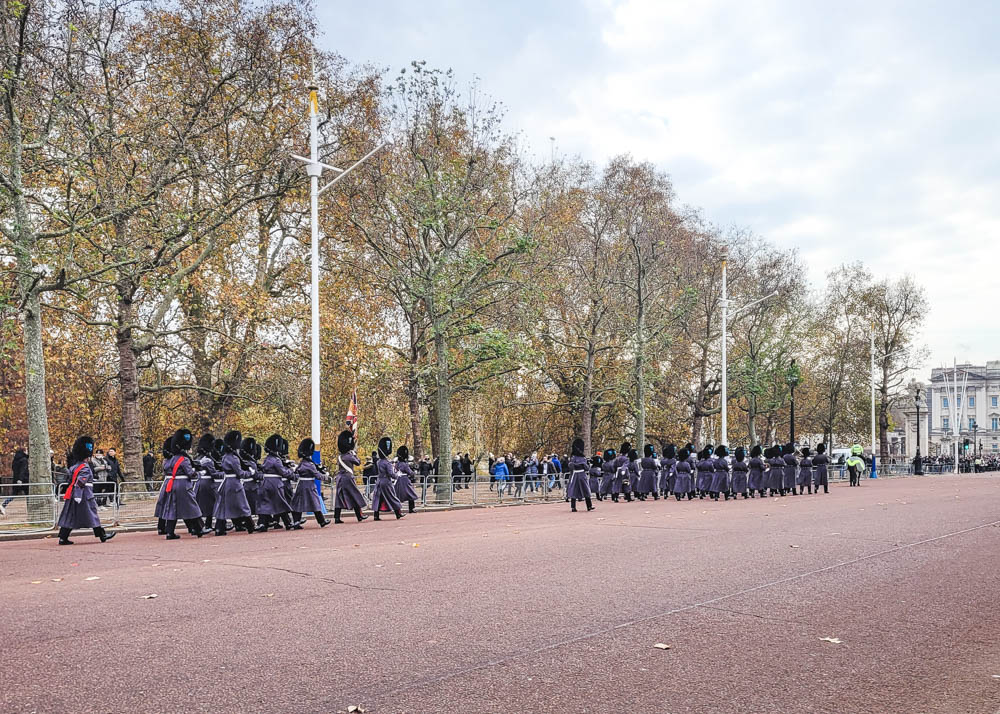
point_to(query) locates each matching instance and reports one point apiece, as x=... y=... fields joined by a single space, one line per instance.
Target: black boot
x=358 y=514
x=104 y=535
x=194 y=526
x=375 y=514
x=398 y=514
x=64 y=536
x=248 y=524
x=161 y=526
x=412 y=504
x=336 y=516
x=590 y=504
x=323 y=523
x=572 y=505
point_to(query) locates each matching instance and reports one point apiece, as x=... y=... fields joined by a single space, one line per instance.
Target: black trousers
x=64 y=533
x=297 y=516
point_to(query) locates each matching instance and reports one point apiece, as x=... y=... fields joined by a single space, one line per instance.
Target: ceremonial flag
x=352 y=413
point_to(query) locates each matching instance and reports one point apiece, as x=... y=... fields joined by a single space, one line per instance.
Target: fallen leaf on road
x=704 y=511
x=73 y=565
x=92 y=577
x=57 y=580
x=357 y=545
x=352 y=709
x=378 y=566
x=645 y=511
x=661 y=646
x=149 y=597
x=793 y=546
x=268 y=595
x=155 y=565
x=39 y=582
x=416 y=545
x=206 y=561
x=398 y=563
x=834 y=640
x=600 y=519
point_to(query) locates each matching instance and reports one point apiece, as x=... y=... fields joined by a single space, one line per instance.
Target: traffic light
x=965 y=445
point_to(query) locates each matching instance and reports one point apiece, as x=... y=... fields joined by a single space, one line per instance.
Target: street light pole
x=314 y=169
x=871 y=333
x=725 y=366
x=918 y=464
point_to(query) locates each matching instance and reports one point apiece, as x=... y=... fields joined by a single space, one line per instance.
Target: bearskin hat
x=721 y=450
x=647 y=451
x=788 y=449
x=577 y=447
x=273 y=444
x=83 y=448
x=741 y=453
x=182 y=440
x=205 y=444
x=633 y=455
x=597 y=460
x=306 y=448
x=248 y=447
x=218 y=447
x=385 y=447
x=626 y=448
x=610 y=454
x=683 y=454
x=670 y=452
x=820 y=448
x=755 y=452
x=403 y=453
x=168 y=447
x=283 y=447
x=805 y=451
x=231 y=441
x=345 y=441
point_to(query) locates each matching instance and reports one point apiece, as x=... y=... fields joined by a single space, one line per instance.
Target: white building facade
x=974 y=405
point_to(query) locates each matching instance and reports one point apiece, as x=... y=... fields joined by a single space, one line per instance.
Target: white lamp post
x=314 y=168
x=725 y=330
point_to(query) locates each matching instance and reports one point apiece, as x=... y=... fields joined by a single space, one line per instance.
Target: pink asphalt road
x=530 y=609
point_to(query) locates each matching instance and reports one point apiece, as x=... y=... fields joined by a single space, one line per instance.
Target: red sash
x=72 y=483
x=173 y=474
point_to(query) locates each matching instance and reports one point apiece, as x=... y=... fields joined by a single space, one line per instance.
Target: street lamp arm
x=352 y=167
x=305 y=160
x=738 y=310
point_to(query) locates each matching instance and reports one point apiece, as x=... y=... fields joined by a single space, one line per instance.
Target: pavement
x=530 y=609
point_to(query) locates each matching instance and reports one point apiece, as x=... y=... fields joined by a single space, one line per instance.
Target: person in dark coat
x=148 y=464
x=579 y=487
x=820 y=462
x=668 y=463
x=231 y=499
x=791 y=466
x=757 y=481
x=805 y=478
x=404 y=474
x=456 y=472
x=180 y=502
x=777 y=471
x=692 y=460
x=648 y=469
x=272 y=503
x=466 y=470
x=79 y=506
x=622 y=464
x=720 y=473
x=740 y=473
x=609 y=471
x=248 y=461
x=682 y=476
x=385 y=498
x=631 y=482
x=167 y=452
x=209 y=478
x=348 y=496
x=306 y=498
x=369 y=475
x=596 y=462
x=706 y=471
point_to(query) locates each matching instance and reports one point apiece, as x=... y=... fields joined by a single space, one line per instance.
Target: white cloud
x=848 y=130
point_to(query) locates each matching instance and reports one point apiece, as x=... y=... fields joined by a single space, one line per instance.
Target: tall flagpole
x=725 y=381
x=314 y=170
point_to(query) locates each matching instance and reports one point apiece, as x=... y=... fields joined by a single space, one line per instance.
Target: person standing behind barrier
x=306 y=498
x=502 y=475
x=369 y=475
x=79 y=505
x=19 y=475
x=348 y=496
x=424 y=468
x=231 y=499
x=578 y=488
x=385 y=492
x=205 y=488
x=820 y=462
x=148 y=465
x=456 y=472
x=531 y=473
x=179 y=495
x=404 y=474
x=466 y=469
x=100 y=468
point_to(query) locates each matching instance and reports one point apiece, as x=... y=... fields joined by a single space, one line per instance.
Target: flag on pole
x=352 y=413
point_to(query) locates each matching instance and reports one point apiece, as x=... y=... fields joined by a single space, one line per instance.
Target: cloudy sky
x=847 y=130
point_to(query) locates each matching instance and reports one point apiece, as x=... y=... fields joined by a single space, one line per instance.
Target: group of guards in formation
x=225 y=481
x=709 y=473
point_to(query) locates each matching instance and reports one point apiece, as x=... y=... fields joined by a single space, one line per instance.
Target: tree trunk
x=128 y=375
x=443 y=400
x=39 y=465
x=413 y=396
x=587 y=405
x=640 y=382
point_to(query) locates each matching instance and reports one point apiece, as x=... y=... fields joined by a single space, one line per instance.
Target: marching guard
x=579 y=486
x=820 y=463
x=348 y=496
x=231 y=500
x=740 y=473
x=79 y=508
x=205 y=488
x=179 y=502
x=404 y=478
x=272 y=502
x=384 y=497
x=306 y=498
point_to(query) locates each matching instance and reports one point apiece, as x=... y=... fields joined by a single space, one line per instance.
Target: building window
x=995 y=424
x=993 y=401
x=944 y=402
x=944 y=422
x=972 y=401
x=972 y=422
x=995 y=445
